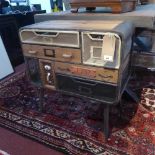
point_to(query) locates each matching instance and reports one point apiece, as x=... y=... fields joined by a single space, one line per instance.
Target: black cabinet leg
x=41 y=98
x=106 y=121
x=119 y=108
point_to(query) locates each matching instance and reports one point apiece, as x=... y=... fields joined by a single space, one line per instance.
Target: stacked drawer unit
x=89 y=59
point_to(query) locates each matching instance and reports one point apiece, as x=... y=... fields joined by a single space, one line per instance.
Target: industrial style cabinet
x=86 y=59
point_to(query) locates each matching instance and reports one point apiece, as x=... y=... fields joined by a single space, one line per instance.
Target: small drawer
x=68 y=55
x=53 y=53
x=101 y=49
x=31 y=50
x=87 y=88
x=96 y=73
x=50 y=37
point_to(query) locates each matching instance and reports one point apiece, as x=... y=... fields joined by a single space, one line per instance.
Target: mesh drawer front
x=50 y=37
x=87 y=88
x=101 y=49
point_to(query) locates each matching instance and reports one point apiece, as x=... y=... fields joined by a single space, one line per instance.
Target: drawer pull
x=64 y=69
x=32 y=52
x=48 y=76
x=47 y=67
x=67 y=56
x=104 y=76
x=84 y=90
x=88 y=83
x=151 y=69
x=97 y=37
x=48 y=34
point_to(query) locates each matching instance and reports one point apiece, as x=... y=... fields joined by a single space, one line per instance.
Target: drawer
x=31 y=50
x=87 y=88
x=50 y=37
x=104 y=49
x=47 y=73
x=53 y=53
x=101 y=74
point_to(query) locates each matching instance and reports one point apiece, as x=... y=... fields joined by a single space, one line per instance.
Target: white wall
x=5 y=65
x=45 y=4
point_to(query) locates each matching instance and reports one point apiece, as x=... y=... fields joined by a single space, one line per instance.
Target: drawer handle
x=89 y=83
x=97 y=37
x=84 y=90
x=151 y=69
x=103 y=76
x=67 y=56
x=64 y=69
x=48 y=34
x=47 y=67
x=48 y=76
x=32 y=52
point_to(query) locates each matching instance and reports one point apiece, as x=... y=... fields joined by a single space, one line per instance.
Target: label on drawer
x=108 y=58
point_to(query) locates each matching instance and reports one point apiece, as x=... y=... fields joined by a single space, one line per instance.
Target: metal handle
x=67 y=56
x=46 y=33
x=47 y=67
x=151 y=69
x=63 y=69
x=103 y=76
x=84 y=90
x=90 y=83
x=32 y=52
x=97 y=37
x=48 y=77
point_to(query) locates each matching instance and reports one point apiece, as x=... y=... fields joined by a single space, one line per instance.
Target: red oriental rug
x=74 y=125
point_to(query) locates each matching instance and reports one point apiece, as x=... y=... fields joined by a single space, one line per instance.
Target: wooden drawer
x=52 y=53
x=101 y=74
x=31 y=50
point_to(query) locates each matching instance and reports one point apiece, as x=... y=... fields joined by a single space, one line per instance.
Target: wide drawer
x=87 y=88
x=52 y=53
x=50 y=37
x=96 y=73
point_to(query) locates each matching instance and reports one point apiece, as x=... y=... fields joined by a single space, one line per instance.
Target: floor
x=15 y=144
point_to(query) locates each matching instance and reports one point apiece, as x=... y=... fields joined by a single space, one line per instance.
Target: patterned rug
x=74 y=125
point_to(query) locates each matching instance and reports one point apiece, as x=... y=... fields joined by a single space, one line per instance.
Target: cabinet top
x=125 y=29
x=76 y=25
